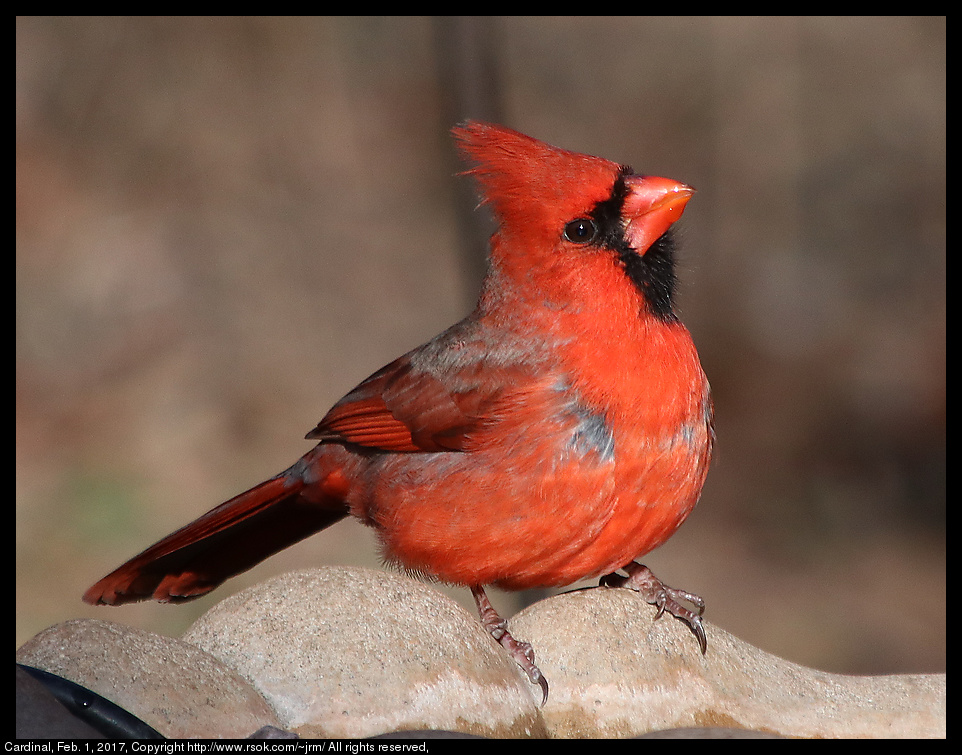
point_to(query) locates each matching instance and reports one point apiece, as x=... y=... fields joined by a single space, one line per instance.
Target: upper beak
x=653 y=204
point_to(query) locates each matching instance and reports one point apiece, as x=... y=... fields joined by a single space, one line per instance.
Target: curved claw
x=641 y=579
x=699 y=631
x=544 y=689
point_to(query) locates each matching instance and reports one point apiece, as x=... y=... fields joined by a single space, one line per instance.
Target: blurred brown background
x=224 y=224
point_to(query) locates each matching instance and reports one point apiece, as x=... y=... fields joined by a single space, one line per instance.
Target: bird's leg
x=520 y=651
x=641 y=579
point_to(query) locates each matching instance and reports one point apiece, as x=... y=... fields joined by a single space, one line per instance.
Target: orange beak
x=652 y=206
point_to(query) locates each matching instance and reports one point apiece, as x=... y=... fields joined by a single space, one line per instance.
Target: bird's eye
x=581 y=231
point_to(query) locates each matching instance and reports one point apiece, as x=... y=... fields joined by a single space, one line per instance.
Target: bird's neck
x=622 y=359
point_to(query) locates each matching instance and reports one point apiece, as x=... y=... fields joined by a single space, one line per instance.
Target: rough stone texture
x=357 y=652
x=338 y=652
x=175 y=687
x=615 y=672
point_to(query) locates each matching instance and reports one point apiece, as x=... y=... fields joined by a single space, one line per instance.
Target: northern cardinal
x=559 y=431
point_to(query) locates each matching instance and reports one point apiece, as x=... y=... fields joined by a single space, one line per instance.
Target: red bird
x=558 y=432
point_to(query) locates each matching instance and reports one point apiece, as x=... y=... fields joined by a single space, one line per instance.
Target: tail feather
x=225 y=541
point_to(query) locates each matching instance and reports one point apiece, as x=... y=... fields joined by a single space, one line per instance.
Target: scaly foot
x=520 y=651
x=641 y=579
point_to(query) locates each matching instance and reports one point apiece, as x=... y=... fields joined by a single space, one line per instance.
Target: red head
x=549 y=200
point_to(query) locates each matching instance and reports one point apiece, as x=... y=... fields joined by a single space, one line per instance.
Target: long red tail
x=223 y=542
